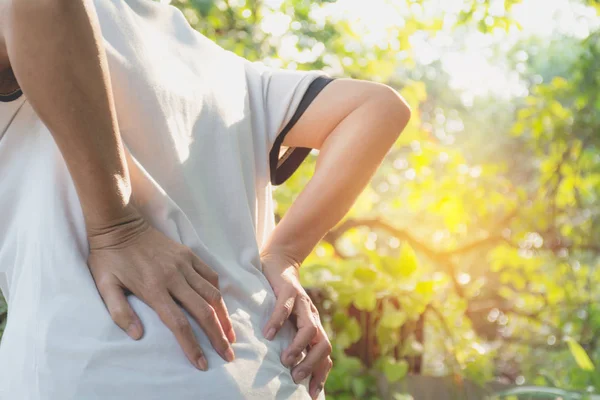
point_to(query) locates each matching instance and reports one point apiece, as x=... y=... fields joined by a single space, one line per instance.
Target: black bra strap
x=283 y=167
x=5 y=98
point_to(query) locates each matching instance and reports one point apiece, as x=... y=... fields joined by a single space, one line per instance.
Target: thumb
x=120 y=310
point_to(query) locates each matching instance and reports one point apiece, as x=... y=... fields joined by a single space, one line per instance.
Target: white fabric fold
x=199 y=122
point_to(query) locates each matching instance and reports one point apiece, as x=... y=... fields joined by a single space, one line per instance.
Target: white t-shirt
x=201 y=124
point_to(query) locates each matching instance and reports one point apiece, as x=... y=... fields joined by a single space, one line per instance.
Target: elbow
x=26 y=11
x=395 y=110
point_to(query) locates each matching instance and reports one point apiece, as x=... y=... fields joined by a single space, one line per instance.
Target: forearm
x=55 y=50
x=347 y=160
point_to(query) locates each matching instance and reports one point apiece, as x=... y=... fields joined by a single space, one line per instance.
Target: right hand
x=129 y=254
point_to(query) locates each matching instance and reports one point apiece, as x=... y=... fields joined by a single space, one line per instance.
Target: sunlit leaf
x=359 y=387
x=365 y=299
x=424 y=288
x=581 y=357
x=365 y=274
x=406 y=264
x=393 y=319
x=394 y=370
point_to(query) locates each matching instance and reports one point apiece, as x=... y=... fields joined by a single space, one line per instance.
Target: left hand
x=282 y=273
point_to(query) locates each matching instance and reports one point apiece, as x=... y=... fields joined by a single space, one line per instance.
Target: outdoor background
x=474 y=254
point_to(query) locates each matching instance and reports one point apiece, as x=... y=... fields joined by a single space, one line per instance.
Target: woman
x=137 y=160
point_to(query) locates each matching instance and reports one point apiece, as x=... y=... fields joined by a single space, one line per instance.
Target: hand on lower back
x=130 y=255
x=293 y=301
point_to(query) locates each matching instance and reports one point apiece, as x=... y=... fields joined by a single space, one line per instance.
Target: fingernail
x=271 y=334
x=300 y=376
x=133 y=331
x=231 y=336
x=229 y=356
x=290 y=359
x=202 y=364
x=316 y=391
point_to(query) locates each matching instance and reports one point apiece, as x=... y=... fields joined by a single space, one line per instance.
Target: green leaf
x=560 y=82
x=359 y=387
x=365 y=299
x=393 y=319
x=353 y=330
x=339 y=320
x=394 y=370
x=424 y=288
x=538 y=392
x=401 y=396
x=579 y=354
x=347 y=329
x=365 y=274
x=406 y=264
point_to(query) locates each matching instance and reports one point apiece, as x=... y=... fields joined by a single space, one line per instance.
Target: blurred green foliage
x=476 y=258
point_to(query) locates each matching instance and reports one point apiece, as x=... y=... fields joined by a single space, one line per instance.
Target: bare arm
x=72 y=95
x=353 y=124
x=56 y=52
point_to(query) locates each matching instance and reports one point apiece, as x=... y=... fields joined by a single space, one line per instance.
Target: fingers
x=283 y=308
x=212 y=295
x=310 y=333
x=307 y=330
x=207 y=272
x=120 y=310
x=174 y=318
x=317 y=353
x=205 y=315
x=319 y=376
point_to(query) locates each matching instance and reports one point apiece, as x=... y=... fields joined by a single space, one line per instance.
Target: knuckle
x=223 y=343
x=207 y=312
x=297 y=290
x=152 y=282
x=277 y=322
x=104 y=283
x=315 y=311
x=213 y=278
x=307 y=300
x=197 y=353
x=213 y=296
x=171 y=274
x=329 y=363
x=304 y=371
x=312 y=330
x=298 y=349
x=151 y=290
x=186 y=254
x=119 y=313
x=288 y=306
x=181 y=324
x=328 y=347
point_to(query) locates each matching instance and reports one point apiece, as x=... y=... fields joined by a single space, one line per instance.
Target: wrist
x=287 y=254
x=118 y=229
x=292 y=241
x=107 y=202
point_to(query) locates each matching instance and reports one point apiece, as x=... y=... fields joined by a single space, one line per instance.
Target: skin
x=72 y=95
x=353 y=123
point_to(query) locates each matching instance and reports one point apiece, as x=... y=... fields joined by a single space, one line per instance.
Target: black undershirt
x=5 y=98
x=283 y=167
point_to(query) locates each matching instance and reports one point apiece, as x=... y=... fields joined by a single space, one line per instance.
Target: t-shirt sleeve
x=286 y=95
